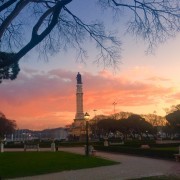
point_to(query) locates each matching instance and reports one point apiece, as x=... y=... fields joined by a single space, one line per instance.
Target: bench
x=116 y=143
x=31 y=146
x=91 y=150
x=145 y=146
x=177 y=157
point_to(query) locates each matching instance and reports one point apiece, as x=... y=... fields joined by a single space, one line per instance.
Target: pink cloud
x=176 y=96
x=157 y=78
x=47 y=99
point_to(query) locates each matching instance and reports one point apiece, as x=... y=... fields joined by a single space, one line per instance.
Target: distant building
x=47 y=134
x=55 y=134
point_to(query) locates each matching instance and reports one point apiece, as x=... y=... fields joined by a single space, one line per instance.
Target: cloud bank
x=38 y=99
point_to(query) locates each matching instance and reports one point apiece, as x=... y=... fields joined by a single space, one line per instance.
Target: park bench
x=116 y=143
x=145 y=146
x=31 y=146
x=92 y=151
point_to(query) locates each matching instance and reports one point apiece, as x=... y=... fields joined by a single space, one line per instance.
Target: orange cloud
x=38 y=100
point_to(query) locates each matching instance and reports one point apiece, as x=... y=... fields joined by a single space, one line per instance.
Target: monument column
x=79 y=99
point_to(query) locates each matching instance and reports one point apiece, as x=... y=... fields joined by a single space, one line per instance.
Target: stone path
x=130 y=167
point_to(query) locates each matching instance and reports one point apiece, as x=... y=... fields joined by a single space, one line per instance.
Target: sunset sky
x=44 y=94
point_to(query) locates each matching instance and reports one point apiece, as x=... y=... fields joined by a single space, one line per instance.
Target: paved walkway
x=130 y=167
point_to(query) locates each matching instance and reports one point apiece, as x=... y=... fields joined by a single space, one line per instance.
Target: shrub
x=152 y=152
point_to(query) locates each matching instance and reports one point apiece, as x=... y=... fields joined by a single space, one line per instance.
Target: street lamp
x=86 y=117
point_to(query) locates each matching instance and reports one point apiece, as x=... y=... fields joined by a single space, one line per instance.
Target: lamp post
x=86 y=117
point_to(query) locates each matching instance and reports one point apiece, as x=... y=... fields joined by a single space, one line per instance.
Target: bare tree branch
x=35 y=39
x=154 y=20
x=53 y=27
x=7 y=4
x=20 y=5
x=96 y=32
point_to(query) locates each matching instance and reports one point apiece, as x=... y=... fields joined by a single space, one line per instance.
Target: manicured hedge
x=167 y=145
x=152 y=152
x=14 y=145
x=47 y=144
x=138 y=143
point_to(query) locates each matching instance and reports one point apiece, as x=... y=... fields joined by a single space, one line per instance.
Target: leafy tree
x=6 y=126
x=138 y=125
x=123 y=127
x=174 y=120
x=130 y=126
x=54 y=21
x=168 y=130
x=105 y=126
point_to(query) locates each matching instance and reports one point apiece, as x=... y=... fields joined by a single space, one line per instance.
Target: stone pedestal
x=106 y=143
x=53 y=147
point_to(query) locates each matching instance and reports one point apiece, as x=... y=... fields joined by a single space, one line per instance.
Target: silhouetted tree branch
x=51 y=21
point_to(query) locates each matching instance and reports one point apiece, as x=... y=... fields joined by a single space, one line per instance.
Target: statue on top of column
x=78 y=77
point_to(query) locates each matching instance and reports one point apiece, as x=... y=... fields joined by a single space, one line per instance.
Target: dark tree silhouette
x=155 y=119
x=6 y=126
x=137 y=125
x=174 y=120
x=105 y=126
x=54 y=21
x=130 y=126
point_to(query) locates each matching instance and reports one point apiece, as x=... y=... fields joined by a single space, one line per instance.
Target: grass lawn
x=166 y=148
x=20 y=164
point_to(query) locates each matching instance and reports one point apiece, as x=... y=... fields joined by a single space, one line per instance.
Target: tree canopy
x=132 y=126
x=54 y=21
x=174 y=119
x=7 y=126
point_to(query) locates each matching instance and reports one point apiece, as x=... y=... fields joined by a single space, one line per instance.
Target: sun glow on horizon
x=38 y=102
